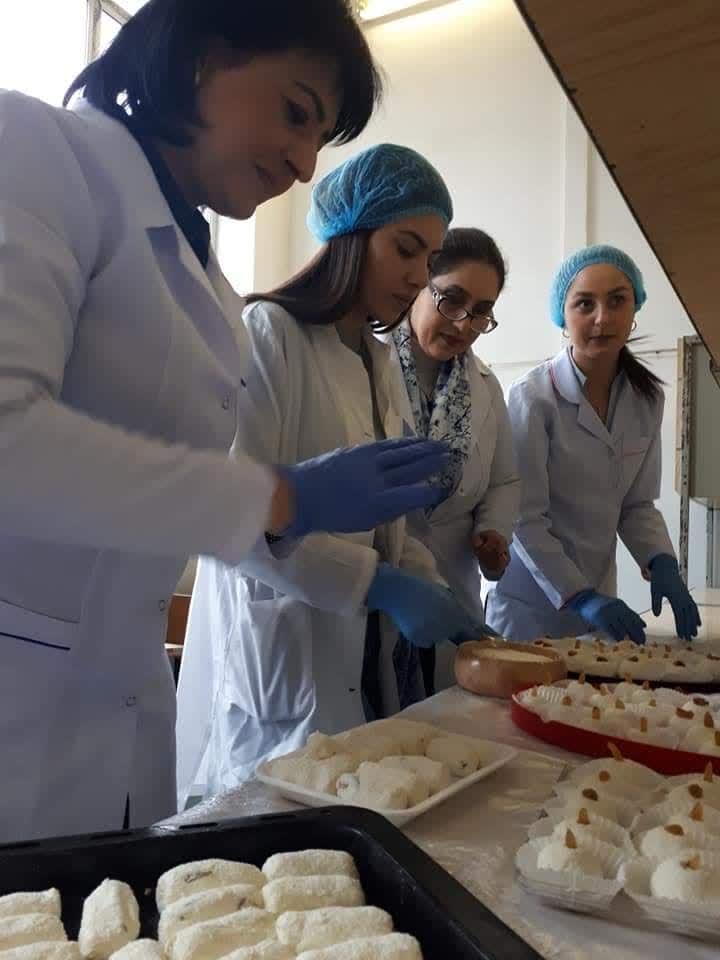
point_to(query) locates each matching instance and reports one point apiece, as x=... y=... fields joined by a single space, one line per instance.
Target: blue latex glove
x=424 y=612
x=609 y=614
x=357 y=488
x=665 y=581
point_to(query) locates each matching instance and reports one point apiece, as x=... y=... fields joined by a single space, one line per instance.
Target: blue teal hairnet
x=381 y=185
x=602 y=253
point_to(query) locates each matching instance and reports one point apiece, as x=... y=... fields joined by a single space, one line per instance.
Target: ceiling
x=644 y=76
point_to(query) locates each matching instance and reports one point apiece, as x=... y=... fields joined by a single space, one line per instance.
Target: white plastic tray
x=494 y=755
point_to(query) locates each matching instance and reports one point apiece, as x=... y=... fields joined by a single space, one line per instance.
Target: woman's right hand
x=424 y=612
x=357 y=488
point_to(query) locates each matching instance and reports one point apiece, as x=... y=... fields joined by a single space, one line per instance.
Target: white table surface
x=708 y=600
x=475 y=835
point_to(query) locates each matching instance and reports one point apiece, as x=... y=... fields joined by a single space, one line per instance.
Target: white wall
x=468 y=87
x=237 y=251
x=272 y=243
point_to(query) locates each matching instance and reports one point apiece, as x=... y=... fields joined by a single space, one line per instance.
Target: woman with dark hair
x=587 y=434
x=456 y=398
x=123 y=374
x=310 y=641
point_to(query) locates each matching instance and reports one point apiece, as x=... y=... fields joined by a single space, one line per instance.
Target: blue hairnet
x=381 y=185
x=585 y=258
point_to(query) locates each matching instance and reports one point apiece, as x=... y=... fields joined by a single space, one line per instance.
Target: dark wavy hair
x=463 y=244
x=146 y=77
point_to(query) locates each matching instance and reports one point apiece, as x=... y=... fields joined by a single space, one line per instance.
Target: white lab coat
x=119 y=385
x=487 y=498
x=274 y=648
x=583 y=486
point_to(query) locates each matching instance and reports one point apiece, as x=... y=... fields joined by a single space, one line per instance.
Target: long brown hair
x=641 y=378
x=327 y=288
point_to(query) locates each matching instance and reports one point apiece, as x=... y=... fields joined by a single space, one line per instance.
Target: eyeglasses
x=452 y=310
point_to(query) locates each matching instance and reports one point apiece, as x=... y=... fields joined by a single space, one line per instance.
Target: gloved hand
x=357 y=488
x=609 y=614
x=665 y=581
x=424 y=612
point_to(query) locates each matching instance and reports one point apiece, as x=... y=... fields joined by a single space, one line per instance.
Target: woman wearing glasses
x=454 y=396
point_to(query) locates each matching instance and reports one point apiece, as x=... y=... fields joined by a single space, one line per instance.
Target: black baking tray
x=422 y=898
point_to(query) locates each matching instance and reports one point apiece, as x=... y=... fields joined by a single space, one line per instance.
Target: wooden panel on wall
x=644 y=76
x=177 y=619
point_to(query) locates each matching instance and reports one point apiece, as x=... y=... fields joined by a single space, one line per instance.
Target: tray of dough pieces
x=667 y=760
x=693 y=667
x=430 y=913
x=397 y=767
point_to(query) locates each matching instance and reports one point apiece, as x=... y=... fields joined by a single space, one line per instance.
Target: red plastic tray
x=591 y=744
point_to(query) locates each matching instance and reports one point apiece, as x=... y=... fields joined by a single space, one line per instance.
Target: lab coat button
x=226 y=403
x=130 y=701
x=162 y=606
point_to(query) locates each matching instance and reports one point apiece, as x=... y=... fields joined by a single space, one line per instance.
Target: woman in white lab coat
x=454 y=396
x=281 y=646
x=122 y=378
x=587 y=433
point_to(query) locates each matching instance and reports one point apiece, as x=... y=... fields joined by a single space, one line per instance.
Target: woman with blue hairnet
x=587 y=426
x=308 y=640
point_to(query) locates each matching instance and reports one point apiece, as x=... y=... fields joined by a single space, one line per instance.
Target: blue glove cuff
x=575 y=603
x=664 y=563
x=377 y=594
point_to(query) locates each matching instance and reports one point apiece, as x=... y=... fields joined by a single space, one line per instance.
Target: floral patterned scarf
x=447 y=416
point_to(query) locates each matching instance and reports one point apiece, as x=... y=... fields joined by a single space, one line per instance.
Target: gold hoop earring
x=565 y=333
x=633 y=328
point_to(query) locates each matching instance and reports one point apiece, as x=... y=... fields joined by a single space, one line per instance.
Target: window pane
x=131 y=6
x=109 y=29
x=236 y=252
x=42 y=46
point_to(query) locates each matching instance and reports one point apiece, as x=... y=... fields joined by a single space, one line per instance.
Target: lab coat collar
x=128 y=165
x=480 y=396
x=564 y=378
x=343 y=366
x=565 y=381
x=380 y=352
x=474 y=360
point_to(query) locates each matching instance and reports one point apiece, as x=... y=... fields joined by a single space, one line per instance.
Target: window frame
x=95 y=10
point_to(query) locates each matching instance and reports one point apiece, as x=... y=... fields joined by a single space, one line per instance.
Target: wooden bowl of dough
x=492 y=667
